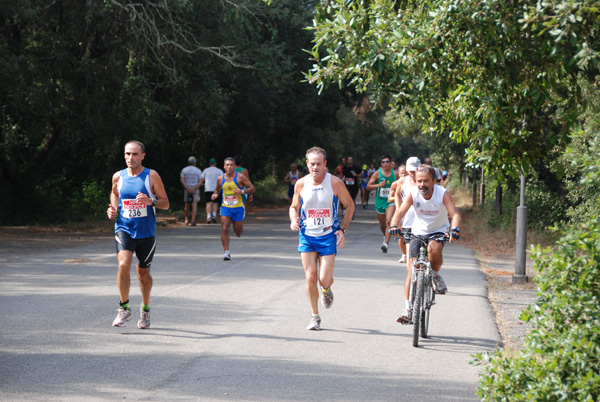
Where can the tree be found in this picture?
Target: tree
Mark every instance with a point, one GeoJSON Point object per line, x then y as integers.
{"type": "Point", "coordinates": [498, 76]}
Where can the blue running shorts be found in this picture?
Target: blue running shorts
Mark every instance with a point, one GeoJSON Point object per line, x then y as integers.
{"type": "Point", "coordinates": [236, 214]}
{"type": "Point", "coordinates": [323, 245]}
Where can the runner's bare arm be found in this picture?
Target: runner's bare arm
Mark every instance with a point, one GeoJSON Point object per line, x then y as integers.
{"type": "Point", "coordinates": [371, 184]}
{"type": "Point", "coordinates": [296, 205]}
{"type": "Point", "coordinates": [158, 188]}
{"type": "Point", "coordinates": [340, 191]}
{"type": "Point", "coordinates": [401, 208]}
{"type": "Point", "coordinates": [113, 207]}
{"type": "Point", "coordinates": [215, 193]}
{"type": "Point", "coordinates": [452, 211]}
{"type": "Point", "coordinates": [244, 182]}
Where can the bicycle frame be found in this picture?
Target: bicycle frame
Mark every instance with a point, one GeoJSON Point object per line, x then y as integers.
{"type": "Point", "coordinates": [422, 296]}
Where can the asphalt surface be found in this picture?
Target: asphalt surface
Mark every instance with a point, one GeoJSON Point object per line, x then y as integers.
{"type": "Point", "coordinates": [235, 330]}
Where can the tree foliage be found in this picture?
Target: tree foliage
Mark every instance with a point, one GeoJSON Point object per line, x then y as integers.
{"type": "Point", "coordinates": [205, 78]}
{"type": "Point", "coordinates": [498, 76]}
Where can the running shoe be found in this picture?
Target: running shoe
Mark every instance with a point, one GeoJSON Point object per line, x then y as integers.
{"type": "Point", "coordinates": [315, 323]}
{"type": "Point", "coordinates": [144, 321]}
{"type": "Point", "coordinates": [384, 248]}
{"type": "Point", "coordinates": [123, 316]}
{"type": "Point", "coordinates": [327, 297]}
{"type": "Point", "coordinates": [402, 259]}
{"type": "Point", "coordinates": [440, 286]}
{"type": "Point", "coordinates": [406, 317]}
{"type": "Point", "coordinates": [226, 256]}
{"type": "Point", "coordinates": [214, 220]}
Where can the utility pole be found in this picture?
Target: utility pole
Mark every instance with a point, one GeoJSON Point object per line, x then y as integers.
{"type": "Point", "coordinates": [520, 275]}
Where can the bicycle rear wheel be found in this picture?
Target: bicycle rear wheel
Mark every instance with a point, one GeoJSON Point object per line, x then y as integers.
{"type": "Point", "coordinates": [417, 309]}
{"type": "Point", "coordinates": [428, 296]}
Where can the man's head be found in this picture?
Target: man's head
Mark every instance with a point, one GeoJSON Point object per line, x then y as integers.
{"type": "Point", "coordinates": [343, 160]}
{"type": "Point", "coordinates": [425, 180]}
{"type": "Point", "coordinates": [229, 165]}
{"type": "Point", "coordinates": [212, 161]}
{"type": "Point", "coordinates": [428, 161]}
{"type": "Point", "coordinates": [134, 154]}
{"type": "Point", "coordinates": [191, 161]}
{"type": "Point", "coordinates": [394, 165]}
{"type": "Point", "coordinates": [316, 162]}
{"type": "Point", "coordinates": [350, 160]}
{"type": "Point", "coordinates": [293, 167]}
{"type": "Point", "coordinates": [386, 162]}
{"type": "Point", "coordinates": [402, 171]}
{"type": "Point", "coordinates": [238, 160]}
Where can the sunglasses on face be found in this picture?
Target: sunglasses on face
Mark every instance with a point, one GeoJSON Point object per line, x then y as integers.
{"type": "Point", "coordinates": [382, 162]}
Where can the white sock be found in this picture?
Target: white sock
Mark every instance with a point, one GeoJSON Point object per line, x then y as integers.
{"type": "Point", "coordinates": [407, 304]}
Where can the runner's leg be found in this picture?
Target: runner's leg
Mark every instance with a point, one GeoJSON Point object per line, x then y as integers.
{"type": "Point", "coordinates": [124, 259]}
{"type": "Point", "coordinates": [309, 262]}
{"type": "Point", "coordinates": [145, 283]}
{"type": "Point", "coordinates": [225, 223]}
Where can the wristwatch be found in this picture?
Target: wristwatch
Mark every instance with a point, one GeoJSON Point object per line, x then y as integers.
{"type": "Point", "coordinates": [154, 202]}
{"type": "Point", "coordinates": [343, 230]}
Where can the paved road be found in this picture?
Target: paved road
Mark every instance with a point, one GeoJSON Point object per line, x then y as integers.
{"type": "Point", "coordinates": [235, 330]}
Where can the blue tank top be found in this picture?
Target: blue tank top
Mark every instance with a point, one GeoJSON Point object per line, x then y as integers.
{"type": "Point", "coordinates": [138, 220]}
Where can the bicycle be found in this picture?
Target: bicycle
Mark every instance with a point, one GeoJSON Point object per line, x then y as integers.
{"type": "Point", "coordinates": [422, 295]}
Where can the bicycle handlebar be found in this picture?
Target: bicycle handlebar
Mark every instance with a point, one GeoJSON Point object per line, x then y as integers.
{"type": "Point", "coordinates": [436, 236]}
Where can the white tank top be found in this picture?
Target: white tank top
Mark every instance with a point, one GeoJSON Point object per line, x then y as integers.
{"type": "Point", "coordinates": [318, 216]}
{"type": "Point", "coordinates": [408, 219]}
{"type": "Point", "coordinates": [430, 215]}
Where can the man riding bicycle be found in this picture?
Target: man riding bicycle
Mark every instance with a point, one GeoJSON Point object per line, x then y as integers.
{"type": "Point", "coordinates": [432, 205]}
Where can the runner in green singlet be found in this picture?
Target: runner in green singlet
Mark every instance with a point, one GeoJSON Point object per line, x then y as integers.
{"type": "Point", "coordinates": [381, 181]}
{"type": "Point", "coordinates": [238, 168]}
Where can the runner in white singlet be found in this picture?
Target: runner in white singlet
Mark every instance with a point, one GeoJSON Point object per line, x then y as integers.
{"type": "Point", "coordinates": [314, 215]}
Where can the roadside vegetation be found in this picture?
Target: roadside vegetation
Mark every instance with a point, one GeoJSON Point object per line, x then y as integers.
{"type": "Point", "coordinates": [490, 90]}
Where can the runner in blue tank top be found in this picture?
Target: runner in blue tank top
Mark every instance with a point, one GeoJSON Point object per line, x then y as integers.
{"type": "Point", "coordinates": [136, 193]}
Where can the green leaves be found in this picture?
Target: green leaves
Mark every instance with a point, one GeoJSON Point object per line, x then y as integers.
{"type": "Point", "coordinates": [514, 57]}
{"type": "Point", "coordinates": [560, 359]}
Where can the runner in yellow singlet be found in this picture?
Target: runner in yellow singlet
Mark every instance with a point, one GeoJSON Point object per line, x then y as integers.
{"type": "Point", "coordinates": [232, 184]}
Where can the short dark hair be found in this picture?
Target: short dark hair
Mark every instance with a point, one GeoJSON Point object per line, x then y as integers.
{"type": "Point", "coordinates": [317, 150]}
{"type": "Point", "coordinates": [386, 156]}
{"type": "Point", "coordinates": [137, 143]}
{"type": "Point", "coordinates": [427, 169]}
{"type": "Point", "coordinates": [238, 159]}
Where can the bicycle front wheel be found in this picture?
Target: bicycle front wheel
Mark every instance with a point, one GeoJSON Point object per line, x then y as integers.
{"type": "Point", "coordinates": [428, 296]}
{"type": "Point", "coordinates": [417, 308]}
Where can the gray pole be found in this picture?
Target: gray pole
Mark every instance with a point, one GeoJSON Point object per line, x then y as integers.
{"type": "Point", "coordinates": [521, 255]}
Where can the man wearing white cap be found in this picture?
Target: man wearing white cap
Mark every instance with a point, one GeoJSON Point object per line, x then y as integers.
{"type": "Point", "coordinates": [404, 185]}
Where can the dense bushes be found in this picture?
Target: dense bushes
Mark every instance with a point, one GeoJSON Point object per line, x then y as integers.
{"type": "Point", "coordinates": [560, 358]}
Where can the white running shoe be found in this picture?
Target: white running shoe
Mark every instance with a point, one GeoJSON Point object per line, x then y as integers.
{"type": "Point", "coordinates": [402, 259]}
{"type": "Point", "coordinates": [144, 321]}
{"type": "Point", "coordinates": [384, 248]}
{"type": "Point", "coordinates": [315, 324]}
{"type": "Point", "coordinates": [123, 316]}
{"type": "Point", "coordinates": [226, 256]}
{"type": "Point", "coordinates": [406, 317]}
{"type": "Point", "coordinates": [327, 297]}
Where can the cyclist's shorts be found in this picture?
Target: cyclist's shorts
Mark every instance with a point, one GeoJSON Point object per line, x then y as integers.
{"type": "Point", "coordinates": [323, 245]}
{"type": "Point", "coordinates": [143, 248]}
{"type": "Point", "coordinates": [415, 245]}
{"type": "Point", "coordinates": [236, 214]}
